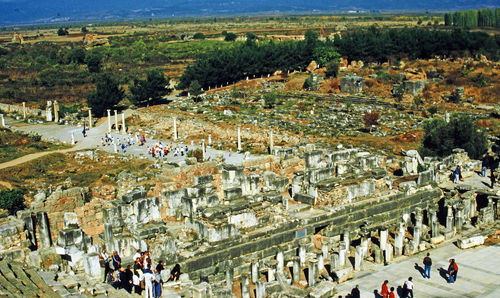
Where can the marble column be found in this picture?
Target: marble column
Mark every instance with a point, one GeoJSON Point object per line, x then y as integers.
{"type": "Point", "coordinates": [342, 254]}
{"type": "Point", "coordinates": [334, 263]}
{"type": "Point", "coordinates": [245, 286]}
{"type": "Point", "coordinates": [239, 139]}
{"type": "Point", "coordinates": [312, 272]}
{"type": "Point", "coordinates": [72, 138]}
{"type": "Point", "coordinates": [296, 269]}
{"type": "Point", "coordinates": [56, 111]}
{"type": "Point", "coordinates": [229, 278]}
{"type": "Point", "coordinates": [43, 230]}
{"type": "Point", "coordinates": [255, 271]}
{"type": "Point", "coordinates": [109, 237]}
{"type": "Point", "coordinates": [388, 252]}
{"type": "Point", "coordinates": [347, 240]}
{"type": "Point", "coordinates": [321, 261]}
{"type": "Point", "coordinates": [3, 120]}
{"type": "Point", "coordinates": [358, 258]}
{"type": "Point", "coordinates": [271, 142]}
{"type": "Point", "coordinates": [281, 260]}
{"type": "Point", "coordinates": [90, 118]}
{"type": "Point", "coordinates": [434, 223]}
{"type": "Point", "coordinates": [383, 238]}
{"type": "Point", "coordinates": [24, 110]}
{"type": "Point", "coordinates": [260, 289]}
{"type": "Point", "coordinates": [302, 253]}
{"type": "Point", "coordinates": [175, 128]}
{"type": "Point", "coordinates": [449, 219]}
{"type": "Point", "coordinates": [116, 120]}
{"type": "Point", "coordinates": [124, 129]}
{"type": "Point", "coordinates": [209, 140]}
{"type": "Point", "coordinates": [109, 120]}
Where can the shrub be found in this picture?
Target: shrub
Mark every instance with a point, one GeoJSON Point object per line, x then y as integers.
{"type": "Point", "coordinates": [12, 200]}
{"type": "Point", "coordinates": [196, 153]}
{"type": "Point", "coordinates": [371, 118]}
{"type": "Point", "coordinates": [440, 138]}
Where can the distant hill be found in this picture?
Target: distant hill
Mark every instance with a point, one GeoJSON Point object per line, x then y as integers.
{"type": "Point", "coordinates": [47, 11]}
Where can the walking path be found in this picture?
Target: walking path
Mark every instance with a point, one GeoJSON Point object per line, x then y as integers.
{"type": "Point", "coordinates": [62, 133]}
{"type": "Point", "coordinates": [478, 274]}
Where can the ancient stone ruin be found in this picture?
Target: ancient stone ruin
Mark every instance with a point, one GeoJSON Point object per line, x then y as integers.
{"type": "Point", "coordinates": [293, 223]}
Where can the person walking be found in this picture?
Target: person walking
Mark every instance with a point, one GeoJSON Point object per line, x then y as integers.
{"type": "Point", "coordinates": [385, 290]}
{"type": "Point", "coordinates": [408, 288]}
{"type": "Point", "coordinates": [452, 271]}
{"type": "Point", "coordinates": [391, 293]}
{"type": "Point", "coordinates": [355, 292]}
{"type": "Point", "coordinates": [427, 265]}
{"type": "Point", "coordinates": [456, 175]}
{"type": "Point", "coordinates": [148, 278]}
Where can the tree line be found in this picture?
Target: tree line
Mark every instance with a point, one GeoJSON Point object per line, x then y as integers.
{"type": "Point", "coordinates": [374, 44]}
{"type": "Point", "coordinates": [485, 17]}
{"type": "Point", "coordinates": [253, 58]}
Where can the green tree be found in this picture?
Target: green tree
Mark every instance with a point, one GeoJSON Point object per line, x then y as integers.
{"type": "Point", "coordinates": [199, 35]}
{"type": "Point", "coordinates": [440, 138]}
{"type": "Point", "coordinates": [324, 54]}
{"type": "Point", "coordinates": [332, 68]}
{"type": "Point", "coordinates": [195, 88]}
{"type": "Point", "coordinates": [151, 89]}
{"type": "Point", "coordinates": [107, 94]}
{"type": "Point", "coordinates": [76, 55]}
{"type": "Point", "coordinates": [93, 61]}
{"type": "Point", "coordinates": [84, 30]}
{"type": "Point", "coordinates": [12, 200]}
{"type": "Point", "coordinates": [230, 37]}
{"type": "Point", "coordinates": [271, 99]}
{"type": "Point", "coordinates": [448, 19]}
{"type": "Point", "coordinates": [62, 31]}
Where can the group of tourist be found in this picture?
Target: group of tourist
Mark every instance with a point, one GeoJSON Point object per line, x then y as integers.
{"type": "Point", "coordinates": [138, 277]}
{"type": "Point", "coordinates": [161, 151]}
{"type": "Point", "coordinates": [407, 288]}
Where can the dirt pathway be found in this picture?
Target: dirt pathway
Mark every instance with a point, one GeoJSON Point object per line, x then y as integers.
{"type": "Point", "coordinates": [33, 156]}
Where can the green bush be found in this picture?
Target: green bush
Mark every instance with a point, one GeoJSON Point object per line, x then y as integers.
{"type": "Point", "coordinates": [440, 138]}
{"type": "Point", "coordinates": [196, 153]}
{"type": "Point", "coordinates": [12, 200]}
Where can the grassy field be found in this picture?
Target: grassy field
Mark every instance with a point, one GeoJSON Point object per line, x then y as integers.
{"type": "Point", "coordinates": [16, 144]}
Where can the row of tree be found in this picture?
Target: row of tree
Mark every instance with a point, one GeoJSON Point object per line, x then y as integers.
{"type": "Point", "coordinates": [109, 93]}
{"type": "Point", "coordinates": [252, 58]}
{"type": "Point", "coordinates": [374, 44]}
{"type": "Point", "coordinates": [485, 17]}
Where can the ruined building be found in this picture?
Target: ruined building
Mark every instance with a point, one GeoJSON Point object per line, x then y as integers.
{"type": "Point", "coordinates": [293, 223]}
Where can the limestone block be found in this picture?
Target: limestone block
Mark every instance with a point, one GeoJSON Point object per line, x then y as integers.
{"type": "Point", "coordinates": [469, 242]}
{"type": "Point", "coordinates": [343, 274]}
{"type": "Point", "coordinates": [353, 84]}
{"type": "Point", "coordinates": [70, 220]}
{"type": "Point", "coordinates": [305, 199]}
{"type": "Point", "coordinates": [91, 265]}
{"type": "Point", "coordinates": [135, 194]}
{"type": "Point", "coordinates": [323, 290]}
{"type": "Point", "coordinates": [408, 187]}
{"type": "Point", "coordinates": [438, 239]}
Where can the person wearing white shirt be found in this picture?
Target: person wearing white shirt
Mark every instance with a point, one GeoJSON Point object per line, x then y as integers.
{"type": "Point", "coordinates": [148, 284]}
{"type": "Point", "coordinates": [409, 288]}
{"type": "Point", "coordinates": [137, 254]}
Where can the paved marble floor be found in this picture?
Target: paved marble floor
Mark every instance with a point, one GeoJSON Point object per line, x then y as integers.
{"type": "Point", "coordinates": [478, 274]}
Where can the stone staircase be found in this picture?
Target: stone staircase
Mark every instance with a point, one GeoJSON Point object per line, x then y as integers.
{"type": "Point", "coordinates": [17, 280]}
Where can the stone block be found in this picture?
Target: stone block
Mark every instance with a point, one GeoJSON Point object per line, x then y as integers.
{"type": "Point", "coordinates": [343, 274]}
{"type": "Point", "coordinates": [469, 242]}
{"type": "Point", "coordinates": [352, 85]}
{"type": "Point", "coordinates": [323, 290]}
{"type": "Point", "coordinates": [305, 199]}
{"type": "Point", "coordinates": [135, 194]}
{"type": "Point", "coordinates": [438, 239]}
{"type": "Point", "coordinates": [203, 180]}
